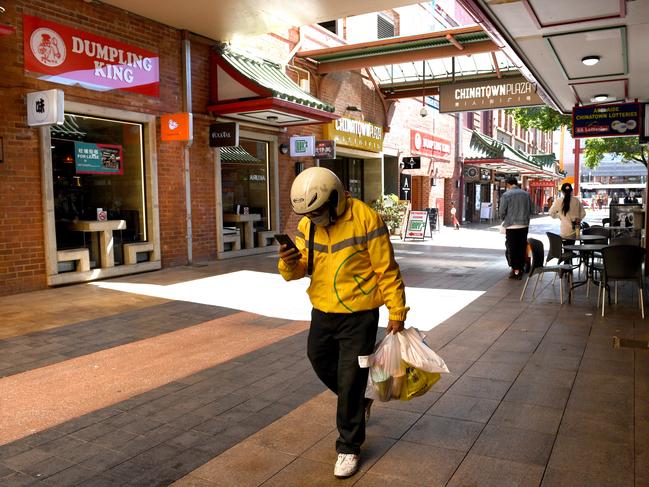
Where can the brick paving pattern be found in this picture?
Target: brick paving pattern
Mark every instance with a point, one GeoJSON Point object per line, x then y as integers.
{"type": "Point", "coordinates": [537, 395]}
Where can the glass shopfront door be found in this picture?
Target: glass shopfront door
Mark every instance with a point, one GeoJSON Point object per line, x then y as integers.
{"type": "Point", "coordinates": [351, 173]}
{"type": "Point", "coordinates": [245, 181]}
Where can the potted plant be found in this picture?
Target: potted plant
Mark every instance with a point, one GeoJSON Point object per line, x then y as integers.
{"type": "Point", "coordinates": [391, 211]}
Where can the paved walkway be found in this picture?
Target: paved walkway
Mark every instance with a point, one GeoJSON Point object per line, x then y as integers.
{"type": "Point", "coordinates": [197, 376]}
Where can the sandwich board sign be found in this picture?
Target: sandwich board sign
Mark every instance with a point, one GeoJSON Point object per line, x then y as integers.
{"type": "Point", "coordinates": [417, 222]}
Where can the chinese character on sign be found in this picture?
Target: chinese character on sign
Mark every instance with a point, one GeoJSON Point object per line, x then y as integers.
{"type": "Point", "coordinates": [40, 105]}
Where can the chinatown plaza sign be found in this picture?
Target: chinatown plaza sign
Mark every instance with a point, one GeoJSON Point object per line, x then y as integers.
{"type": "Point", "coordinates": [355, 133]}
{"type": "Point", "coordinates": [488, 94]}
{"type": "Point", "coordinates": [68, 56]}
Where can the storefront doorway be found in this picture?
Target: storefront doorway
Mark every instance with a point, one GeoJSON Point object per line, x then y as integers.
{"type": "Point", "coordinates": [351, 172]}
{"type": "Point", "coordinates": [245, 183]}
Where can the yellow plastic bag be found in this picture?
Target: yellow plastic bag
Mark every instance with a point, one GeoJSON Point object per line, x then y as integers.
{"type": "Point", "coordinates": [417, 383]}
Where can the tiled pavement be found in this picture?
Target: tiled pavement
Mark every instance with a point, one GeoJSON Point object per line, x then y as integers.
{"type": "Point", "coordinates": [537, 395]}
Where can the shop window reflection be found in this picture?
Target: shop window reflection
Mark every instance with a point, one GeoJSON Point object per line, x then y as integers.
{"type": "Point", "coordinates": [98, 163]}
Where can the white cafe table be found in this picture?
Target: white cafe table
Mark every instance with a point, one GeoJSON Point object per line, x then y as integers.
{"type": "Point", "coordinates": [247, 222]}
{"type": "Point", "coordinates": [102, 234]}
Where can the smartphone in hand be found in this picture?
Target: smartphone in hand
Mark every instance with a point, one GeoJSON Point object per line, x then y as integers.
{"type": "Point", "coordinates": [284, 239]}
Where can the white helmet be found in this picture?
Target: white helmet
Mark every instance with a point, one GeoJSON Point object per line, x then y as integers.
{"type": "Point", "coordinates": [318, 188]}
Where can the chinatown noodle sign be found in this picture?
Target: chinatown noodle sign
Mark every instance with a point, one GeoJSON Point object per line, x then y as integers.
{"type": "Point", "coordinates": [488, 94]}
{"type": "Point", "coordinates": [429, 145]}
{"type": "Point", "coordinates": [68, 56]}
{"type": "Point", "coordinates": [355, 133]}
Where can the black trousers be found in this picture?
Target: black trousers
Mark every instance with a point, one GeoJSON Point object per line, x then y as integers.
{"type": "Point", "coordinates": [335, 342]}
{"type": "Point", "coordinates": [516, 243]}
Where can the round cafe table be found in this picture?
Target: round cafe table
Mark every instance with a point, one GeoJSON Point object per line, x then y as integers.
{"type": "Point", "coordinates": [586, 251]}
{"type": "Point", "coordinates": [591, 238]}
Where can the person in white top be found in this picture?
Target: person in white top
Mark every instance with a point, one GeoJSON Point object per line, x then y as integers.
{"type": "Point", "coordinates": [569, 210]}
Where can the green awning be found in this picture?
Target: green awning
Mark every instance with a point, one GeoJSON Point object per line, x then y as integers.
{"type": "Point", "coordinates": [271, 76]}
{"type": "Point", "coordinates": [484, 147]}
{"type": "Point", "coordinates": [237, 154]}
{"type": "Point", "coordinates": [489, 152]}
{"type": "Point", "coordinates": [547, 160]}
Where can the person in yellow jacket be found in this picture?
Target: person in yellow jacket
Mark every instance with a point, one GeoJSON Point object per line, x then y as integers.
{"type": "Point", "coordinates": [344, 246]}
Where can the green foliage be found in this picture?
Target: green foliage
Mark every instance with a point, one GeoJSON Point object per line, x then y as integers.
{"type": "Point", "coordinates": [543, 118]}
{"type": "Point", "coordinates": [627, 147]}
{"type": "Point", "coordinates": [390, 210]}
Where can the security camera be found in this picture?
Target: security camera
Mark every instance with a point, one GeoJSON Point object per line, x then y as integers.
{"type": "Point", "coordinates": [423, 112]}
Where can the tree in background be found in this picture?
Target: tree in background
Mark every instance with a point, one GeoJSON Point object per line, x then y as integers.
{"type": "Point", "coordinates": [546, 119]}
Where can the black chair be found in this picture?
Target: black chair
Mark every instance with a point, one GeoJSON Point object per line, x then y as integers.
{"type": "Point", "coordinates": [540, 269]}
{"type": "Point", "coordinates": [606, 221]}
{"type": "Point", "coordinates": [622, 263]}
{"type": "Point", "coordinates": [556, 250]}
{"type": "Point", "coordinates": [584, 225]}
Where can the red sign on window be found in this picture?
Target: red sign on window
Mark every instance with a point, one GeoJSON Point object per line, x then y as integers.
{"type": "Point", "coordinates": [68, 56]}
{"type": "Point", "coordinates": [429, 145]}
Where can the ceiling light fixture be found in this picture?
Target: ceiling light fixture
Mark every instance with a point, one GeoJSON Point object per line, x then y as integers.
{"type": "Point", "coordinates": [590, 60]}
{"type": "Point", "coordinates": [599, 98]}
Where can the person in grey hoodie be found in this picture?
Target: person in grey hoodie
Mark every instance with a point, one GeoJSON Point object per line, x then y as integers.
{"type": "Point", "coordinates": [515, 210]}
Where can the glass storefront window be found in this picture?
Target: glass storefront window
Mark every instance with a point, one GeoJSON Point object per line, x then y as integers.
{"type": "Point", "coordinates": [245, 181]}
{"type": "Point", "coordinates": [98, 163]}
{"type": "Point", "coordinates": [350, 171]}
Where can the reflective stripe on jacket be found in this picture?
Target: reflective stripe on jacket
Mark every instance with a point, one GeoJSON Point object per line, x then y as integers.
{"type": "Point", "coordinates": [353, 266]}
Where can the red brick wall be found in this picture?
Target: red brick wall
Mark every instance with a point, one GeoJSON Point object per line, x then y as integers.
{"type": "Point", "coordinates": [22, 261]}
{"type": "Point", "coordinates": [340, 90]}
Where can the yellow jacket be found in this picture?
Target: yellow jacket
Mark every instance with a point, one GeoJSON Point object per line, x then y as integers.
{"type": "Point", "coordinates": [353, 266]}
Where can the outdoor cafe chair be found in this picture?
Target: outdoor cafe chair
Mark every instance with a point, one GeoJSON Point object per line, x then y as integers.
{"type": "Point", "coordinates": [606, 221]}
{"type": "Point", "coordinates": [539, 269]}
{"type": "Point", "coordinates": [622, 263]}
{"type": "Point", "coordinates": [556, 251]}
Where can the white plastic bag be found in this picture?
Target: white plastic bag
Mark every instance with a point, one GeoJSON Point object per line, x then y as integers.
{"type": "Point", "coordinates": [387, 370]}
{"type": "Point", "coordinates": [418, 354]}
{"type": "Point", "coordinates": [402, 367]}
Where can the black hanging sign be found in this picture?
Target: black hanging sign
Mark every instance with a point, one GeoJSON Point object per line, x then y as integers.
{"type": "Point", "coordinates": [406, 185]}
{"type": "Point", "coordinates": [224, 134]}
{"type": "Point", "coordinates": [411, 162]}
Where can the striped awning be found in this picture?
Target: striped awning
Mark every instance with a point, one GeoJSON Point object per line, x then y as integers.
{"type": "Point", "coordinates": [253, 89]}
{"type": "Point", "coordinates": [237, 154]}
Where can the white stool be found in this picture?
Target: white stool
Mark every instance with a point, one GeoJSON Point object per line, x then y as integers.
{"type": "Point", "coordinates": [132, 249]}
{"type": "Point", "coordinates": [81, 256]}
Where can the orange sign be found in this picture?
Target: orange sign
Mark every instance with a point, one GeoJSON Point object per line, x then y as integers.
{"type": "Point", "coordinates": [177, 126]}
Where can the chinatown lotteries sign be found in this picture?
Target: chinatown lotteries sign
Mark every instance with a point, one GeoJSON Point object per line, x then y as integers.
{"type": "Point", "coordinates": [429, 145]}
{"type": "Point", "coordinates": [356, 134]}
{"type": "Point", "coordinates": [606, 120]}
{"type": "Point", "coordinates": [68, 56]}
{"type": "Point", "coordinates": [508, 92]}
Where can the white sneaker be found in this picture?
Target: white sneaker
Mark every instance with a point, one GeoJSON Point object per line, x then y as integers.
{"type": "Point", "coordinates": [346, 466]}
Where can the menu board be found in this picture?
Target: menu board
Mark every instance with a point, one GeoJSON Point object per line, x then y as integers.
{"type": "Point", "coordinates": [416, 227]}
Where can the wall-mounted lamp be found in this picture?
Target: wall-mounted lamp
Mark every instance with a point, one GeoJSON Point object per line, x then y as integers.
{"type": "Point", "coordinates": [283, 148]}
